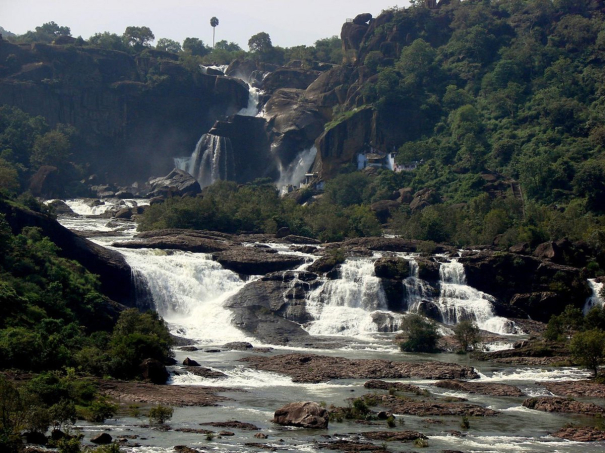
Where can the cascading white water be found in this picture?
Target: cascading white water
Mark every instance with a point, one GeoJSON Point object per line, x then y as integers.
{"type": "Point", "coordinates": [458, 301]}
{"type": "Point", "coordinates": [345, 306]}
{"type": "Point", "coordinates": [189, 291]}
{"type": "Point", "coordinates": [417, 290]}
{"type": "Point", "coordinates": [252, 109]}
{"type": "Point", "coordinates": [211, 161]}
{"type": "Point", "coordinates": [295, 173]}
{"type": "Point", "coordinates": [595, 300]}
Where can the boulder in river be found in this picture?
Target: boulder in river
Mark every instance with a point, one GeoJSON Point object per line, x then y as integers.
{"type": "Point", "coordinates": [256, 261]}
{"type": "Point", "coordinates": [102, 439]}
{"type": "Point", "coordinates": [176, 184]}
{"type": "Point", "coordinates": [562, 405]}
{"type": "Point", "coordinates": [303, 414]}
{"type": "Point", "coordinates": [154, 371]}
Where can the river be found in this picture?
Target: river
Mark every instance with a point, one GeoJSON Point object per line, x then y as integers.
{"type": "Point", "coordinates": [189, 291]}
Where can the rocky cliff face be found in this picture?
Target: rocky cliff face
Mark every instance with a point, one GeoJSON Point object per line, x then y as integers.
{"type": "Point", "coordinates": [135, 113]}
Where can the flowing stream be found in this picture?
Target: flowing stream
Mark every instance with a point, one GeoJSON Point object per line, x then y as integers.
{"type": "Point", "coordinates": [189, 290]}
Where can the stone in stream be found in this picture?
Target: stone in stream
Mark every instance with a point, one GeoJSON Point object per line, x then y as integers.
{"type": "Point", "coordinates": [154, 371]}
{"type": "Point", "coordinates": [303, 414]}
{"type": "Point", "coordinates": [102, 439]}
{"type": "Point", "coordinates": [581, 434]}
{"type": "Point", "coordinates": [190, 362]}
{"type": "Point", "coordinates": [234, 424]}
{"type": "Point", "coordinates": [480, 388]}
{"type": "Point", "coordinates": [562, 405]}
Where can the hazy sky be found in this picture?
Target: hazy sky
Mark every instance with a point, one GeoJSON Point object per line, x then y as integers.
{"type": "Point", "coordinates": [288, 22]}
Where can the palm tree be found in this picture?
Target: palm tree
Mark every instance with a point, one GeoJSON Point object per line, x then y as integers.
{"type": "Point", "coordinates": [214, 23]}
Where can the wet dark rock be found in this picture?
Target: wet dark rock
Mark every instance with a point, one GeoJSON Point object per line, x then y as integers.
{"type": "Point", "coordinates": [190, 362]}
{"type": "Point", "coordinates": [238, 346]}
{"type": "Point", "coordinates": [350, 446]}
{"type": "Point", "coordinates": [234, 424]}
{"type": "Point", "coordinates": [576, 389]}
{"type": "Point", "coordinates": [260, 436]}
{"type": "Point", "coordinates": [255, 261]}
{"type": "Point", "coordinates": [311, 368]}
{"type": "Point", "coordinates": [35, 437]}
{"type": "Point", "coordinates": [176, 184]}
{"type": "Point", "coordinates": [57, 434]}
{"type": "Point", "coordinates": [61, 208]}
{"type": "Point", "coordinates": [581, 434]}
{"type": "Point", "coordinates": [434, 408]}
{"type": "Point", "coordinates": [154, 371]}
{"type": "Point", "coordinates": [289, 78]}
{"type": "Point", "coordinates": [102, 439]}
{"type": "Point", "coordinates": [205, 372]}
{"type": "Point", "coordinates": [123, 213]}
{"type": "Point", "coordinates": [561, 405]}
{"type": "Point", "coordinates": [399, 386]}
{"type": "Point", "coordinates": [184, 449]}
{"type": "Point", "coordinates": [226, 433]}
{"type": "Point", "coordinates": [394, 436]}
{"type": "Point", "coordinates": [194, 431]}
{"type": "Point", "coordinates": [189, 348]}
{"type": "Point", "coordinates": [171, 395]}
{"type": "Point", "coordinates": [392, 268]}
{"type": "Point", "coordinates": [260, 446]}
{"type": "Point", "coordinates": [303, 414]}
{"type": "Point", "coordinates": [185, 240]}
{"type": "Point", "coordinates": [480, 388]}
{"type": "Point", "coordinates": [293, 239]}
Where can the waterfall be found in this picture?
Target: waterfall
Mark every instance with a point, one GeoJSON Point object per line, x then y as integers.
{"type": "Point", "coordinates": [595, 300]}
{"type": "Point", "coordinates": [458, 301]}
{"type": "Point", "coordinates": [346, 306]}
{"type": "Point", "coordinates": [252, 109]}
{"type": "Point", "coordinates": [188, 290]}
{"type": "Point", "coordinates": [295, 173]}
{"type": "Point", "coordinates": [211, 161]}
{"type": "Point", "coordinates": [417, 290]}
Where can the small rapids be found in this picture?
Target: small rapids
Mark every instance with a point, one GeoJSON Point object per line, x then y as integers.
{"type": "Point", "coordinates": [595, 300]}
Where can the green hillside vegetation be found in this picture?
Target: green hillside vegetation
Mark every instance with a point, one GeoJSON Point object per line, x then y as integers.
{"type": "Point", "coordinates": [52, 315]}
{"type": "Point", "coordinates": [511, 89]}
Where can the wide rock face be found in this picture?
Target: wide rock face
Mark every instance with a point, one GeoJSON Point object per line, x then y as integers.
{"type": "Point", "coordinates": [256, 260]}
{"type": "Point", "coordinates": [136, 113]}
{"type": "Point", "coordinates": [302, 414]}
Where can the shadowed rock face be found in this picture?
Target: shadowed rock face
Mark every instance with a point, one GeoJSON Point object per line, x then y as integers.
{"type": "Point", "coordinates": [133, 125]}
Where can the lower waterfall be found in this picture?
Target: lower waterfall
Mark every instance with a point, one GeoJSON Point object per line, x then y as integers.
{"type": "Point", "coordinates": [458, 301]}
{"type": "Point", "coordinates": [295, 173]}
{"type": "Point", "coordinates": [348, 305]}
{"type": "Point", "coordinates": [211, 161]}
{"type": "Point", "coordinates": [188, 291]}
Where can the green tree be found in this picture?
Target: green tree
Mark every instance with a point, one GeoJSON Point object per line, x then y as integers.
{"type": "Point", "coordinates": [195, 46]}
{"type": "Point", "coordinates": [107, 40]}
{"type": "Point", "coordinates": [213, 24]}
{"type": "Point", "coordinates": [228, 46]}
{"type": "Point", "coordinates": [467, 335]}
{"type": "Point", "coordinates": [52, 29]}
{"type": "Point", "coordinates": [52, 148]}
{"type": "Point", "coordinates": [588, 349]}
{"type": "Point", "coordinates": [422, 334]}
{"type": "Point", "coordinates": [160, 414]}
{"type": "Point", "coordinates": [138, 37]}
{"type": "Point", "coordinates": [260, 42]}
{"type": "Point", "coordinates": [168, 45]}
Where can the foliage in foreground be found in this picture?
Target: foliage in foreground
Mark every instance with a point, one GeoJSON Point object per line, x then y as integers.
{"type": "Point", "coordinates": [422, 335]}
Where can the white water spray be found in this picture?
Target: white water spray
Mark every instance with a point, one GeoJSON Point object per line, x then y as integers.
{"type": "Point", "coordinates": [346, 306]}
{"type": "Point", "coordinates": [595, 300]}
{"type": "Point", "coordinates": [295, 173]}
{"type": "Point", "coordinates": [458, 301]}
{"type": "Point", "coordinates": [189, 291]}
{"type": "Point", "coordinates": [211, 161]}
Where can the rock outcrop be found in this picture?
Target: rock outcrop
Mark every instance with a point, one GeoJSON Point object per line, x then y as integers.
{"type": "Point", "coordinates": [480, 388]}
{"type": "Point", "coordinates": [302, 414]}
{"type": "Point", "coordinates": [256, 261]}
{"type": "Point", "coordinates": [177, 183]}
{"type": "Point", "coordinates": [136, 113]}
{"type": "Point", "coordinates": [311, 368]}
{"type": "Point", "coordinates": [562, 405]}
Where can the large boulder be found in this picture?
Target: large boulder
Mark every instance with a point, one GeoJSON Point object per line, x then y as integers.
{"type": "Point", "coordinates": [289, 78]}
{"type": "Point", "coordinates": [102, 439]}
{"type": "Point", "coordinates": [302, 414]}
{"type": "Point", "coordinates": [176, 184]}
{"type": "Point", "coordinates": [154, 371]}
{"type": "Point", "coordinates": [256, 261]}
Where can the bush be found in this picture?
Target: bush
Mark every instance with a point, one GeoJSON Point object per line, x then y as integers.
{"type": "Point", "coordinates": [468, 335]}
{"type": "Point", "coordinates": [422, 335]}
{"type": "Point", "coordinates": [160, 414]}
{"type": "Point", "coordinates": [102, 409]}
{"type": "Point", "coordinates": [588, 349]}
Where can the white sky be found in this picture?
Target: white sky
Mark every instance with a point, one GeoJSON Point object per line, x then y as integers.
{"type": "Point", "coordinates": [289, 22]}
